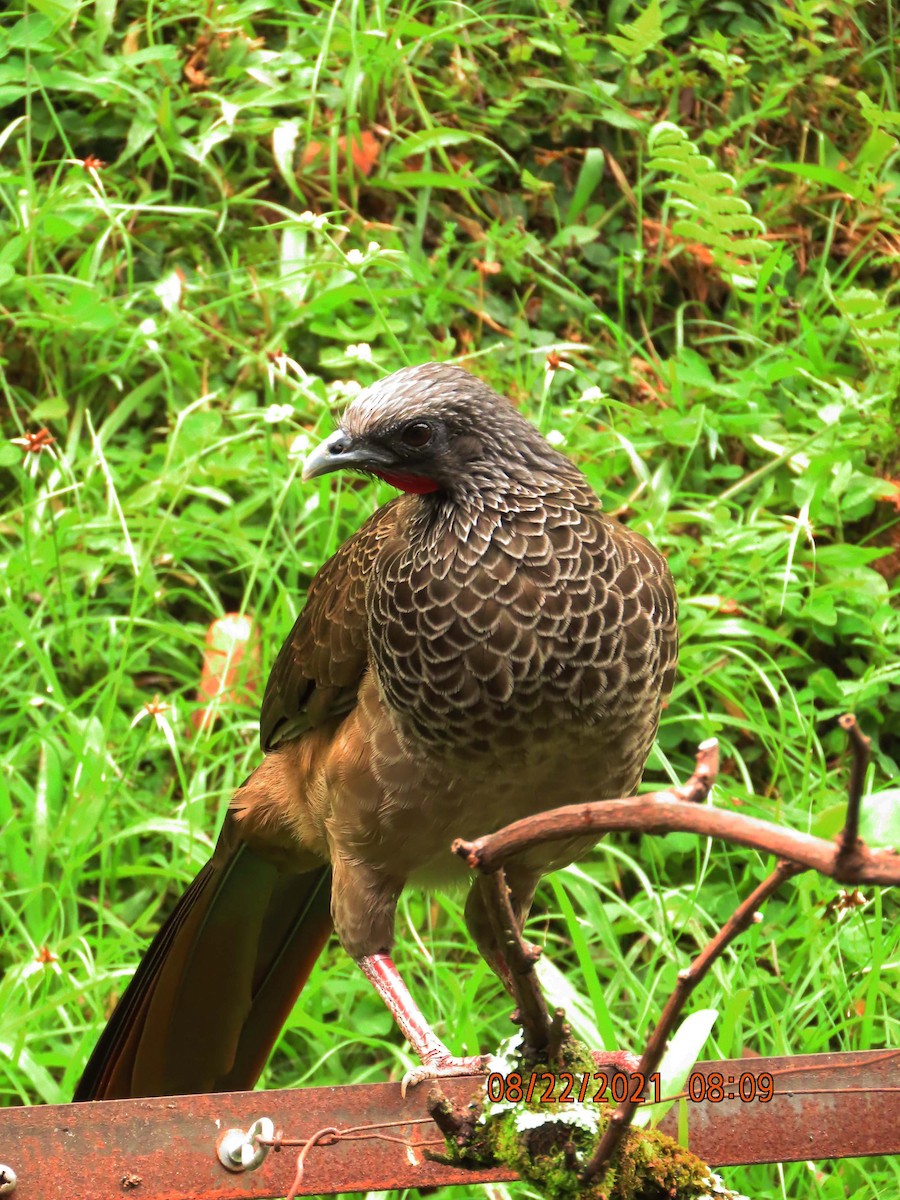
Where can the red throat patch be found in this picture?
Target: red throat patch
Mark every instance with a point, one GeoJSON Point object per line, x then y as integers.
{"type": "Point", "coordinates": [417, 484]}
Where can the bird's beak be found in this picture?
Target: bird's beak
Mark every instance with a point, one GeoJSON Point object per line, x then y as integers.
{"type": "Point", "coordinates": [340, 451]}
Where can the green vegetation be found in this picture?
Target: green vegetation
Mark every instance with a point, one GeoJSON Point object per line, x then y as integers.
{"type": "Point", "coordinates": [671, 233]}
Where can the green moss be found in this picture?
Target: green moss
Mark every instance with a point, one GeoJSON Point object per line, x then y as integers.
{"type": "Point", "coordinates": [653, 1166]}
{"type": "Point", "coordinates": [550, 1156]}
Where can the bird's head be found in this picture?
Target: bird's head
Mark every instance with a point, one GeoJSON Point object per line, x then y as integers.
{"type": "Point", "coordinates": [432, 428]}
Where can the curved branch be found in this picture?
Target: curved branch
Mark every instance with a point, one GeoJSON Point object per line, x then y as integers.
{"type": "Point", "coordinates": [663, 812]}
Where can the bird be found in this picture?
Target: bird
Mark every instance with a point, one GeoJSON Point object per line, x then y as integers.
{"type": "Point", "coordinates": [487, 645]}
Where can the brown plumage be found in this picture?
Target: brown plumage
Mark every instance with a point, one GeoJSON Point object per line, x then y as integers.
{"type": "Point", "coordinates": [486, 646]}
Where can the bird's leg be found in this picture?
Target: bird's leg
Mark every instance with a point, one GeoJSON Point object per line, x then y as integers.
{"type": "Point", "coordinates": [437, 1061]}
{"type": "Point", "coordinates": [521, 893]}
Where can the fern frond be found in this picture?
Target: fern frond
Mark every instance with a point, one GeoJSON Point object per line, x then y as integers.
{"type": "Point", "coordinates": [710, 214]}
{"type": "Point", "coordinates": [634, 40]}
{"type": "Point", "coordinates": [875, 326]}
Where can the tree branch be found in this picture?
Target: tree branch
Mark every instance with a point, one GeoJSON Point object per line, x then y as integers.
{"type": "Point", "coordinates": [669, 811]}
{"type": "Point", "coordinates": [534, 1015]}
{"type": "Point", "coordinates": [847, 860]}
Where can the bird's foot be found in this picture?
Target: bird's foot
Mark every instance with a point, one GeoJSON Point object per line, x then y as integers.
{"type": "Point", "coordinates": [618, 1062]}
{"type": "Point", "coordinates": [441, 1064]}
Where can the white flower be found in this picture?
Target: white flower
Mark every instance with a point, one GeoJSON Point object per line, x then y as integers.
{"type": "Point", "coordinates": [277, 412]}
{"type": "Point", "coordinates": [311, 220]}
{"type": "Point", "coordinates": [556, 437]}
{"type": "Point", "coordinates": [229, 112]}
{"type": "Point", "coordinates": [592, 395]}
{"type": "Point", "coordinates": [372, 248]}
{"type": "Point", "coordinates": [359, 352]}
{"type": "Point", "coordinates": [344, 389]}
{"type": "Point", "coordinates": [148, 327]}
{"type": "Point", "coordinates": [40, 962]}
{"type": "Point", "coordinates": [355, 258]}
{"type": "Point", "coordinates": [168, 290]}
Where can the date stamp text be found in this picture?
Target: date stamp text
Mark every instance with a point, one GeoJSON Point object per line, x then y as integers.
{"type": "Point", "coordinates": [567, 1087]}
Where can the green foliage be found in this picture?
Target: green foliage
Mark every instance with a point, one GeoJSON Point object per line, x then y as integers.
{"type": "Point", "coordinates": [297, 197]}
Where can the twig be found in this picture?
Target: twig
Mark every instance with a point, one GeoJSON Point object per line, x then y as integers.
{"type": "Point", "coordinates": [534, 1015]}
{"type": "Point", "coordinates": [741, 919]}
{"type": "Point", "coordinates": [850, 848]}
{"type": "Point", "coordinates": [706, 768]}
{"type": "Point", "coordinates": [559, 1031]}
{"type": "Point", "coordinates": [656, 813]}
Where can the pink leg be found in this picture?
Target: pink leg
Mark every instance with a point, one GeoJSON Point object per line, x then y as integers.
{"type": "Point", "coordinates": [436, 1059]}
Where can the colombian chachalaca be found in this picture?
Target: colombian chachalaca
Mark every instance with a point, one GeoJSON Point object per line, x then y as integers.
{"type": "Point", "coordinates": [486, 646]}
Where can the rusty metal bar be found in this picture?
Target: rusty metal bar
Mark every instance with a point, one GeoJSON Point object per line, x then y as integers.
{"type": "Point", "coordinates": [824, 1106]}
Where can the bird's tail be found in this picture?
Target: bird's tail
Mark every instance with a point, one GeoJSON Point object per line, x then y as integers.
{"type": "Point", "coordinates": [218, 981]}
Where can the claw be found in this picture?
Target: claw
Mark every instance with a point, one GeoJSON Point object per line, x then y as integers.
{"type": "Point", "coordinates": [444, 1066]}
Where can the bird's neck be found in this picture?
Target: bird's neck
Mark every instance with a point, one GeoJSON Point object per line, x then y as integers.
{"type": "Point", "coordinates": [470, 515]}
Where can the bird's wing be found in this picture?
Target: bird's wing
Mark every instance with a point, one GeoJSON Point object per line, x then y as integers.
{"type": "Point", "coordinates": [317, 672]}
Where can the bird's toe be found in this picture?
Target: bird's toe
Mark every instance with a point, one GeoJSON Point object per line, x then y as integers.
{"type": "Point", "coordinates": [445, 1066]}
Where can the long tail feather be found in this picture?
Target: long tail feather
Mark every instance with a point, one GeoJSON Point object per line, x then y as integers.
{"type": "Point", "coordinates": [212, 992]}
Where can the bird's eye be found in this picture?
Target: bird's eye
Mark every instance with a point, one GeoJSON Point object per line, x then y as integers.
{"type": "Point", "coordinates": [416, 435]}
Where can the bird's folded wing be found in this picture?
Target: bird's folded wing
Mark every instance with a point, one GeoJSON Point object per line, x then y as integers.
{"type": "Point", "coordinates": [317, 672]}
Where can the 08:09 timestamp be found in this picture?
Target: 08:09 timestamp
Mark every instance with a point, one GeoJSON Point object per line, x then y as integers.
{"type": "Point", "coordinates": [565, 1087]}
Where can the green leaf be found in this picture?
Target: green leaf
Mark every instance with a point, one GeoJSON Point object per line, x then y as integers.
{"type": "Point", "coordinates": [401, 181]}
{"type": "Point", "coordinates": [682, 1053]}
{"type": "Point", "coordinates": [830, 821]}
{"type": "Point", "coordinates": [828, 176]}
{"type": "Point", "coordinates": [539, 186]}
{"type": "Point", "coordinates": [875, 325]}
{"type": "Point", "coordinates": [426, 139]}
{"type": "Point", "coordinates": [33, 32]}
{"type": "Point", "coordinates": [882, 118]}
{"type": "Point", "coordinates": [821, 608]}
{"type": "Point", "coordinates": [879, 820]}
{"type": "Point", "coordinates": [575, 235]}
{"type": "Point", "coordinates": [54, 408]}
{"type": "Point", "coordinates": [588, 178]}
